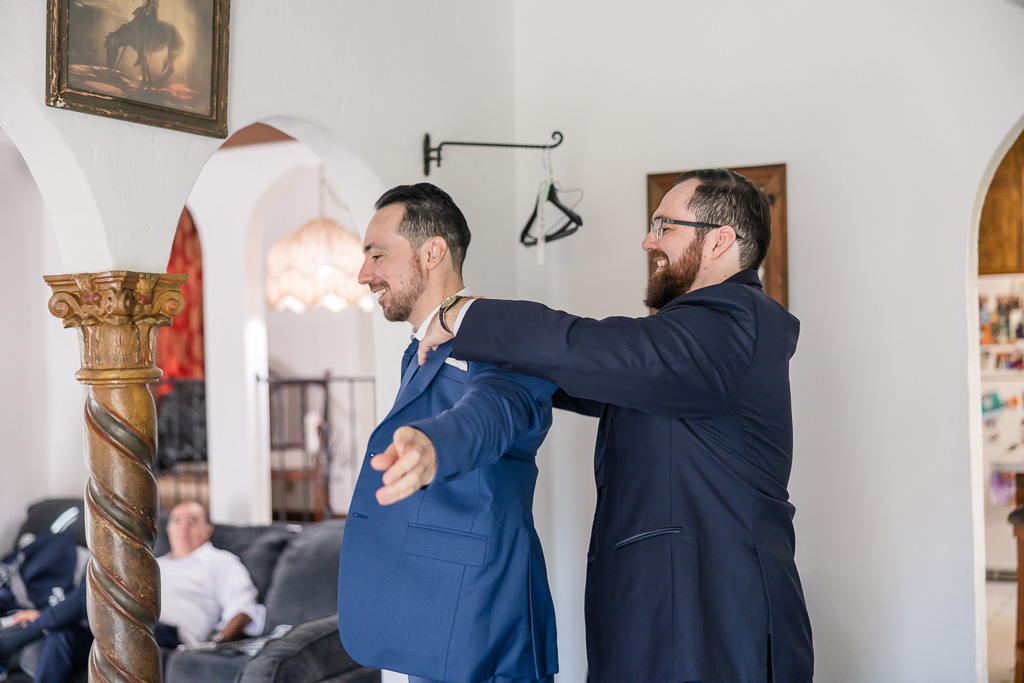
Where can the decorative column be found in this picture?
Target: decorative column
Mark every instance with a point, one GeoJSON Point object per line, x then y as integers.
{"type": "Point", "coordinates": [118, 314]}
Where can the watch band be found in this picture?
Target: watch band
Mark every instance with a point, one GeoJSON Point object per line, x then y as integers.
{"type": "Point", "coordinates": [445, 307]}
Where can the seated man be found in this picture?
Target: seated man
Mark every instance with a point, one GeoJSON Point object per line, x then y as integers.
{"type": "Point", "coordinates": [205, 594]}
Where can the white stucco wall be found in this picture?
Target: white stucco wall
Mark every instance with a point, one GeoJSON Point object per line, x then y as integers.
{"type": "Point", "coordinates": [41, 405]}
{"type": "Point", "coordinates": [887, 115]}
{"type": "Point", "coordinates": [22, 354]}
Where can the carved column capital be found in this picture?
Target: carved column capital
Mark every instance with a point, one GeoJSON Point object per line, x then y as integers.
{"type": "Point", "coordinates": [117, 314]}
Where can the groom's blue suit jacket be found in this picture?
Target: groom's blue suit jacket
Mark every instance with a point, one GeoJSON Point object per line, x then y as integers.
{"type": "Point", "coordinates": [450, 584]}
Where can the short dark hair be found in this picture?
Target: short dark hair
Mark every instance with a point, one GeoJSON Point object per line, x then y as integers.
{"type": "Point", "coordinates": [725, 197]}
{"type": "Point", "coordinates": [430, 212]}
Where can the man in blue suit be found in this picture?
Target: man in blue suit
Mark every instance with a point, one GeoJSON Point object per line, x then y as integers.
{"type": "Point", "coordinates": [449, 584]}
{"type": "Point", "coordinates": [691, 573]}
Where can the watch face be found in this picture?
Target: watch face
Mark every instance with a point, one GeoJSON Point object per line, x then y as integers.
{"type": "Point", "coordinates": [449, 301]}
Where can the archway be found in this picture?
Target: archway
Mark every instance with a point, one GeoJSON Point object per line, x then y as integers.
{"type": "Point", "coordinates": [997, 391]}
{"type": "Point", "coordinates": [180, 393]}
{"type": "Point", "coordinates": [74, 215]}
{"type": "Point", "coordinates": [236, 328]}
{"type": "Point", "coordinates": [40, 411]}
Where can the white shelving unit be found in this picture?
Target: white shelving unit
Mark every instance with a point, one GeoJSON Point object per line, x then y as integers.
{"type": "Point", "coordinates": [1003, 427]}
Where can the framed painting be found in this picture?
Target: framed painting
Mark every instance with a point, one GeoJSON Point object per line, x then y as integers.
{"type": "Point", "coordinates": [156, 62]}
{"type": "Point", "coordinates": [774, 272]}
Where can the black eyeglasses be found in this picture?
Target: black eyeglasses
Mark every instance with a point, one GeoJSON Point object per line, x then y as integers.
{"type": "Point", "coordinates": [658, 226]}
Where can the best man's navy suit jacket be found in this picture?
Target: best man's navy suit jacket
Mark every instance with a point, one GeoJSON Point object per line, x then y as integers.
{"type": "Point", "coordinates": [691, 573]}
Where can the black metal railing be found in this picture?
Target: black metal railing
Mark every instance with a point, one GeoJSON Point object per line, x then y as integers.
{"type": "Point", "coordinates": [316, 423]}
{"type": "Point", "coordinates": [308, 425]}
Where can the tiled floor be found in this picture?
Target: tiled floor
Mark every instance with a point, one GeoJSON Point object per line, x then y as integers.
{"type": "Point", "coordinates": [1002, 625]}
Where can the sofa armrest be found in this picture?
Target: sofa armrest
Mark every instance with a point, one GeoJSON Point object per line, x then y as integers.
{"type": "Point", "coordinates": [311, 651]}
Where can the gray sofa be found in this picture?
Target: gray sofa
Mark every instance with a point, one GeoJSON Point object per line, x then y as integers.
{"type": "Point", "coordinates": [295, 570]}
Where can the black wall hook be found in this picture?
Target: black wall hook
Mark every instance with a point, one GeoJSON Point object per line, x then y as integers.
{"type": "Point", "coordinates": [434, 153]}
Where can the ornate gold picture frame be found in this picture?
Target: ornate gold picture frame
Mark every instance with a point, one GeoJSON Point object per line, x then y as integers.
{"type": "Point", "coordinates": [156, 62]}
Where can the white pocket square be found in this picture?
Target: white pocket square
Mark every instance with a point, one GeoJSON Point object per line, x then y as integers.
{"type": "Point", "coordinates": [460, 364]}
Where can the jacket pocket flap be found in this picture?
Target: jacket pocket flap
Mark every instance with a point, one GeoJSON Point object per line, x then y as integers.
{"type": "Point", "coordinates": [649, 534]}
{"type": "Point", "coordinates": [446, 544]}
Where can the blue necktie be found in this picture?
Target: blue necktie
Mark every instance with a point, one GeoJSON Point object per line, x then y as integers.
{"type": "Point", "coordinates": [410, 353]}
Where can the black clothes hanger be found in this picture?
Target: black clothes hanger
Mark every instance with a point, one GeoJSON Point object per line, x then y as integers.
{"type": "Point", "coordinates": [572, 222]}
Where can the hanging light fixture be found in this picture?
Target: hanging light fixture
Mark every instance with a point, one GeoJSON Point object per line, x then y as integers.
{"type": "Point", "coordinates": [317, 265]}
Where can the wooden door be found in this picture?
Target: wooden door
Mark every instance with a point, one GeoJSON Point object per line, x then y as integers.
{"type": "Point", "coordinates": [772, 179]}
{"type": "Point", "coordinates": [1001, 234]}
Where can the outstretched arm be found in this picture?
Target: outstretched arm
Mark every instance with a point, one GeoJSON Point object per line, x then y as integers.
{"type": "Point", "coordinates": [688, 360]}
{"type": "Point", "coordinates": [436, 335]}
{"type": "Point", "coordinates": [497, 410]}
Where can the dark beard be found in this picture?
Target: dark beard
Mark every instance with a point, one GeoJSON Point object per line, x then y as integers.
{"type": "Point", "coordinates": [677, 279]}
{"type": "Point", "coordinates": [401, 306]}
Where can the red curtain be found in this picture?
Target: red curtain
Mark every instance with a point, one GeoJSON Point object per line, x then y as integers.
{"type": "Point", "coordinates": [179, 348]}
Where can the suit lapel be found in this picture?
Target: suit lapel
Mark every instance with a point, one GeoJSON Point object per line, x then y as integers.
{"type": "Point", "coordinates": [418, 377]}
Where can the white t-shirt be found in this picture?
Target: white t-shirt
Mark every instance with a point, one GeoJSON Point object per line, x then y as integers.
{"type": "Point", "coordinates": [201, 592]}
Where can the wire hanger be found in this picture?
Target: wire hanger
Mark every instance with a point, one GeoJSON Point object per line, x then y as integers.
{"type": "Point", "coordinates": [571, 221]}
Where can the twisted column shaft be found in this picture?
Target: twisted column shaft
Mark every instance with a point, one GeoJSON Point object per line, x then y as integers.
{"type": "Point", "coordinates": [117, 315]}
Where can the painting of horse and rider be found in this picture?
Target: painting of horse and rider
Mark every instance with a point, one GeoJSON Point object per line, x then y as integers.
{"type": "Point", "coordinates": [155, 53]}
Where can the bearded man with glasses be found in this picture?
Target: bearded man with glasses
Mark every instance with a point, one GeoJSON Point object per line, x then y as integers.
{"type": "Point", "coordinates": [691, 573]}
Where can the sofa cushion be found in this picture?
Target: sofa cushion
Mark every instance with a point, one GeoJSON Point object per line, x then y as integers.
{"type": "Point", "coordinates": [305, 582]}
{"type": "Point", "coordinates": [26, 661]}
{"type": "Point", "coordinates": [70, 512]}
{"type": "Point", "coordinates": [260, 558]}
{"type": "Point", "coordinates": [238, 539]}
{"type": "Point", "coordinates": [312, 651]}
{"type": "Point", "coordinates": [208, 667]}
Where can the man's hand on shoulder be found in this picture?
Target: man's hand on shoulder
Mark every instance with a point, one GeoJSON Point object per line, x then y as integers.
{"type": "Point", "coordinates": [436, 334]}
{"type": "Point", "coordinates": [409, 464]}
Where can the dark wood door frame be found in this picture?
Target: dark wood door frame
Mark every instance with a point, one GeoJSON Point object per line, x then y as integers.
{"type": "Point", "coordinates": [772, 179]}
